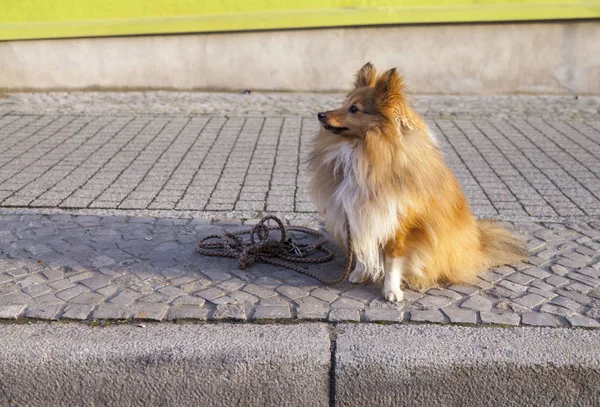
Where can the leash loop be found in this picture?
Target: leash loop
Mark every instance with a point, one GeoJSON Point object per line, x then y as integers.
{"type": "Point", "coordinates": [284, 252]}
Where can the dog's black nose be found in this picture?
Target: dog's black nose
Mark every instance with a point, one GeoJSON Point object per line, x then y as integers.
{"type": "Point", "coordinates": [321, 115]}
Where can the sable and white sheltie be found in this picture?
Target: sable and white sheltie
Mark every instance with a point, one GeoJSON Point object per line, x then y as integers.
{"type": "Point", "coordinates": [376, 161]}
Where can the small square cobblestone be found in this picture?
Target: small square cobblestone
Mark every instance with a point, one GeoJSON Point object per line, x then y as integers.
{"type": "Point", "coordinates": [504, 318]}
{"type": "Point", "coordinates": [270, 312]}
{"type": "Point", "coordinates": [434, 316]}
{"type": "Point", "coordinates": [230, 312]}
{"type": "Point", "coordinates": [343, 315]}
{"type": "Point", "coordinates": [187, 313]}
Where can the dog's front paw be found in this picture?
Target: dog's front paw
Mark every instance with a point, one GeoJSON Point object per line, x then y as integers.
{"type": "Point", "coordinates": [393, 294]}
{"type": "Point", "coordinates": [358, 275]}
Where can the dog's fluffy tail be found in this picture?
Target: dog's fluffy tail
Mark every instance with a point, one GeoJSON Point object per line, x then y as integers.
{"type": "Point", "coordinates": [499, 246]}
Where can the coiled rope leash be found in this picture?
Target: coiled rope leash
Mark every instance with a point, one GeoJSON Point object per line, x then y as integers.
{"type": "Point", "coordinates": [283, 252]}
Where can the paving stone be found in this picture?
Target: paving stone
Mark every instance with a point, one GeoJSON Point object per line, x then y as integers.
{"type": "Point", "coordinates": [53, 275]}
{"type": "Point", "coordinates": [244, 297]}
{"type": "Point", "coordinates": [234, 312]}
{"type": "Point", "coordinates": [520, 278]}
{"type": "Point", "coordinates": [434, 316]}
{"type": "Point", "coordinates": [505, 271]}
{"type": "Point", "coordinates": [323, 294]}
{"type": "Point", "coordinates": [189, 300]}
{"type": "Point", "coordinates": [566, 302]}
{"type": "Point", "coordinates": [515, 287]}
{"type": "Point", "coordinates": [362, 294]}
{"type": "Point", "coordinates": [172, 292]}
{"type": "Point", "coordinates": [546, 294]}
{"type": "Point", "coordinates": [82, 276]}
{"type": "Point", "coordinates": [37, 290]}
{"type": "Point", "coordinates": [490, 276]}
{"type": "Point", "coordinates": [153, 312]}
{"type": "Point", "coordinates": [460, 316]}
{"type": "Point", "coordinates": [276, 300]}
{"type": "Point", "coordinates": [108, 291]}
{"type": "Point", "coordinates": [573, 295]}
{"type": "Point", "coordinates": [268, 281]}
{"type": "Point", "coordinates": [577, 321]}
{"type": "Point", "coordinates": [291, 292]}
{"type": "Point", "coordinates": [593, 313]}
{"type": "Point", "coordinates": [592, 282]}
{"type": "Point", "coordinates": [14, 298]}
{"type": "Point", "coordinates": [443, 292]}
{"type": "Point", "coordinates": [210, 294]}
{"type": "Point", "coordinates": [463, 289]}
{"type": "Point", "coordinates": [312, 312]}
{"type": "Point", "coordinates": [595, 293]}
{"type": "Point", "coordinates": [77, 311]}
{"type": "Point", "coordinates": [556, 281]}
{"type": "Point", "coordinates": [530, 300]}
{"type": "Point", "coordinates": [432, 302]}
{"type": "Point", "coordinates": [71, 293]}
{"type": "Point", "coordinates": [384, 315]}
{"type": "Point", "coordinates": [262, 312]}
{"type": "Point", "coordinates": [343, 315]}
{"type": "Point", "coordinates": [535, 272]}
{"type": "Point", "coordinates": [96, 282]}
{"type": "Point", "coordinates": [559, 270]}
{"type": "Point", "coordinates": [187, 312]}
{"type": "Point", "coordinates": [539, 319]}
{"type": "Point", "coordinates": [541, 285]}
{"type": "Point", "coordinates": [216, 274]}
{"type": "Point", "coordinates": [125, 297]}
{"type": "Point", "coordinates": [579, 287]}
{"type": "Point", "coordinates": [556, 310]}
{"type": "Point", "coordinates": [511, 306]}
{"type": "Point", "coordinates": [477, 303]}
{"type": "Point", "coordinates": [49, 311]}
{"type": "Point", "coordinates": [503, 318]}
{"type": "Point", "coordinates": [154, 298]}
{"type": "Point", "coordinates": [11, 311]}
{"type": "Point", "coordinates": [101, 261]}
{"type": "Point", "coordinates": [347, 303]}
{"type": "Point", "coordinates": [87, 298]}
{"type": "Point", "coordinates": [31, 281]}
{"type": "Point", "coordinates": [258, 291]}
{"type": "Point", "coordinates": [109, 311]}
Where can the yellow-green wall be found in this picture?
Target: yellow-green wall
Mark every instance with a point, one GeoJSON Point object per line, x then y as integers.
{"type": "Point", "coordinates": [27, 19]}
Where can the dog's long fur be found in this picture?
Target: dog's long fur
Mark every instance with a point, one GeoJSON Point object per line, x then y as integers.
{"type": "Point", "coordinates": [376, 161]}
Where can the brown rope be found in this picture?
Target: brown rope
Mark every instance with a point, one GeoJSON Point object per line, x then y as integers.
{"type": "Point", "coordinates": [283, 252]}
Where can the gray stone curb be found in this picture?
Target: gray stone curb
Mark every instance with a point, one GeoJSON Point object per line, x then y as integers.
{"type": "Point", "coordinates": [50, 364]}
{"type": "Point", "coordinates": [166, 364]}
{"type": "Point", "coordinates": [430, 365]}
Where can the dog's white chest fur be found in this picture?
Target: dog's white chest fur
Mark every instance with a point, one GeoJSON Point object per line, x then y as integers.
{"type": "Point", "coordinates": [373, 215]}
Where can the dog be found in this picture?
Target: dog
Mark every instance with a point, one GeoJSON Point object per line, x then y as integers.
{"type": "Point", "coordinates": [376, 162]}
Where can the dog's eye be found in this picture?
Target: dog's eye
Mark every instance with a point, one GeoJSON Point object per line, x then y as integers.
{"type": "Point", "coordinates": [353, 109]}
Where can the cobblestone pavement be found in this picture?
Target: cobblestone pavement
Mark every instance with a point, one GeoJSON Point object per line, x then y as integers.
{"type": "Point", "coordinates": [78, 267]}
{"type": "Point", "coordinates": [97, 192]}
{"type": "Point", "coordinates": [517, 169]}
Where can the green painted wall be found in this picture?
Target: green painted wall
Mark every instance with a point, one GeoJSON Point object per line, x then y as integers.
{"type": "Point", "coordinates": [28, 19]}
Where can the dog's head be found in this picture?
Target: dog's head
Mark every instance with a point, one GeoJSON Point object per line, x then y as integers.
{"type": "Point", "coordinates": [375, 102]}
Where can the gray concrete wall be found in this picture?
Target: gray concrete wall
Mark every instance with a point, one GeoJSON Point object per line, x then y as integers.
{"type": "Point", "coordinates": [554, 58]}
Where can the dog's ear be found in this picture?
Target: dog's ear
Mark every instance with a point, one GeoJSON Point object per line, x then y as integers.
{"type": "Point", "coordinates": [366, 76]}
{"type": "Point", "coordinates": [390, 95]}
{"type": "Point", "coordinates": [389, 84]}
